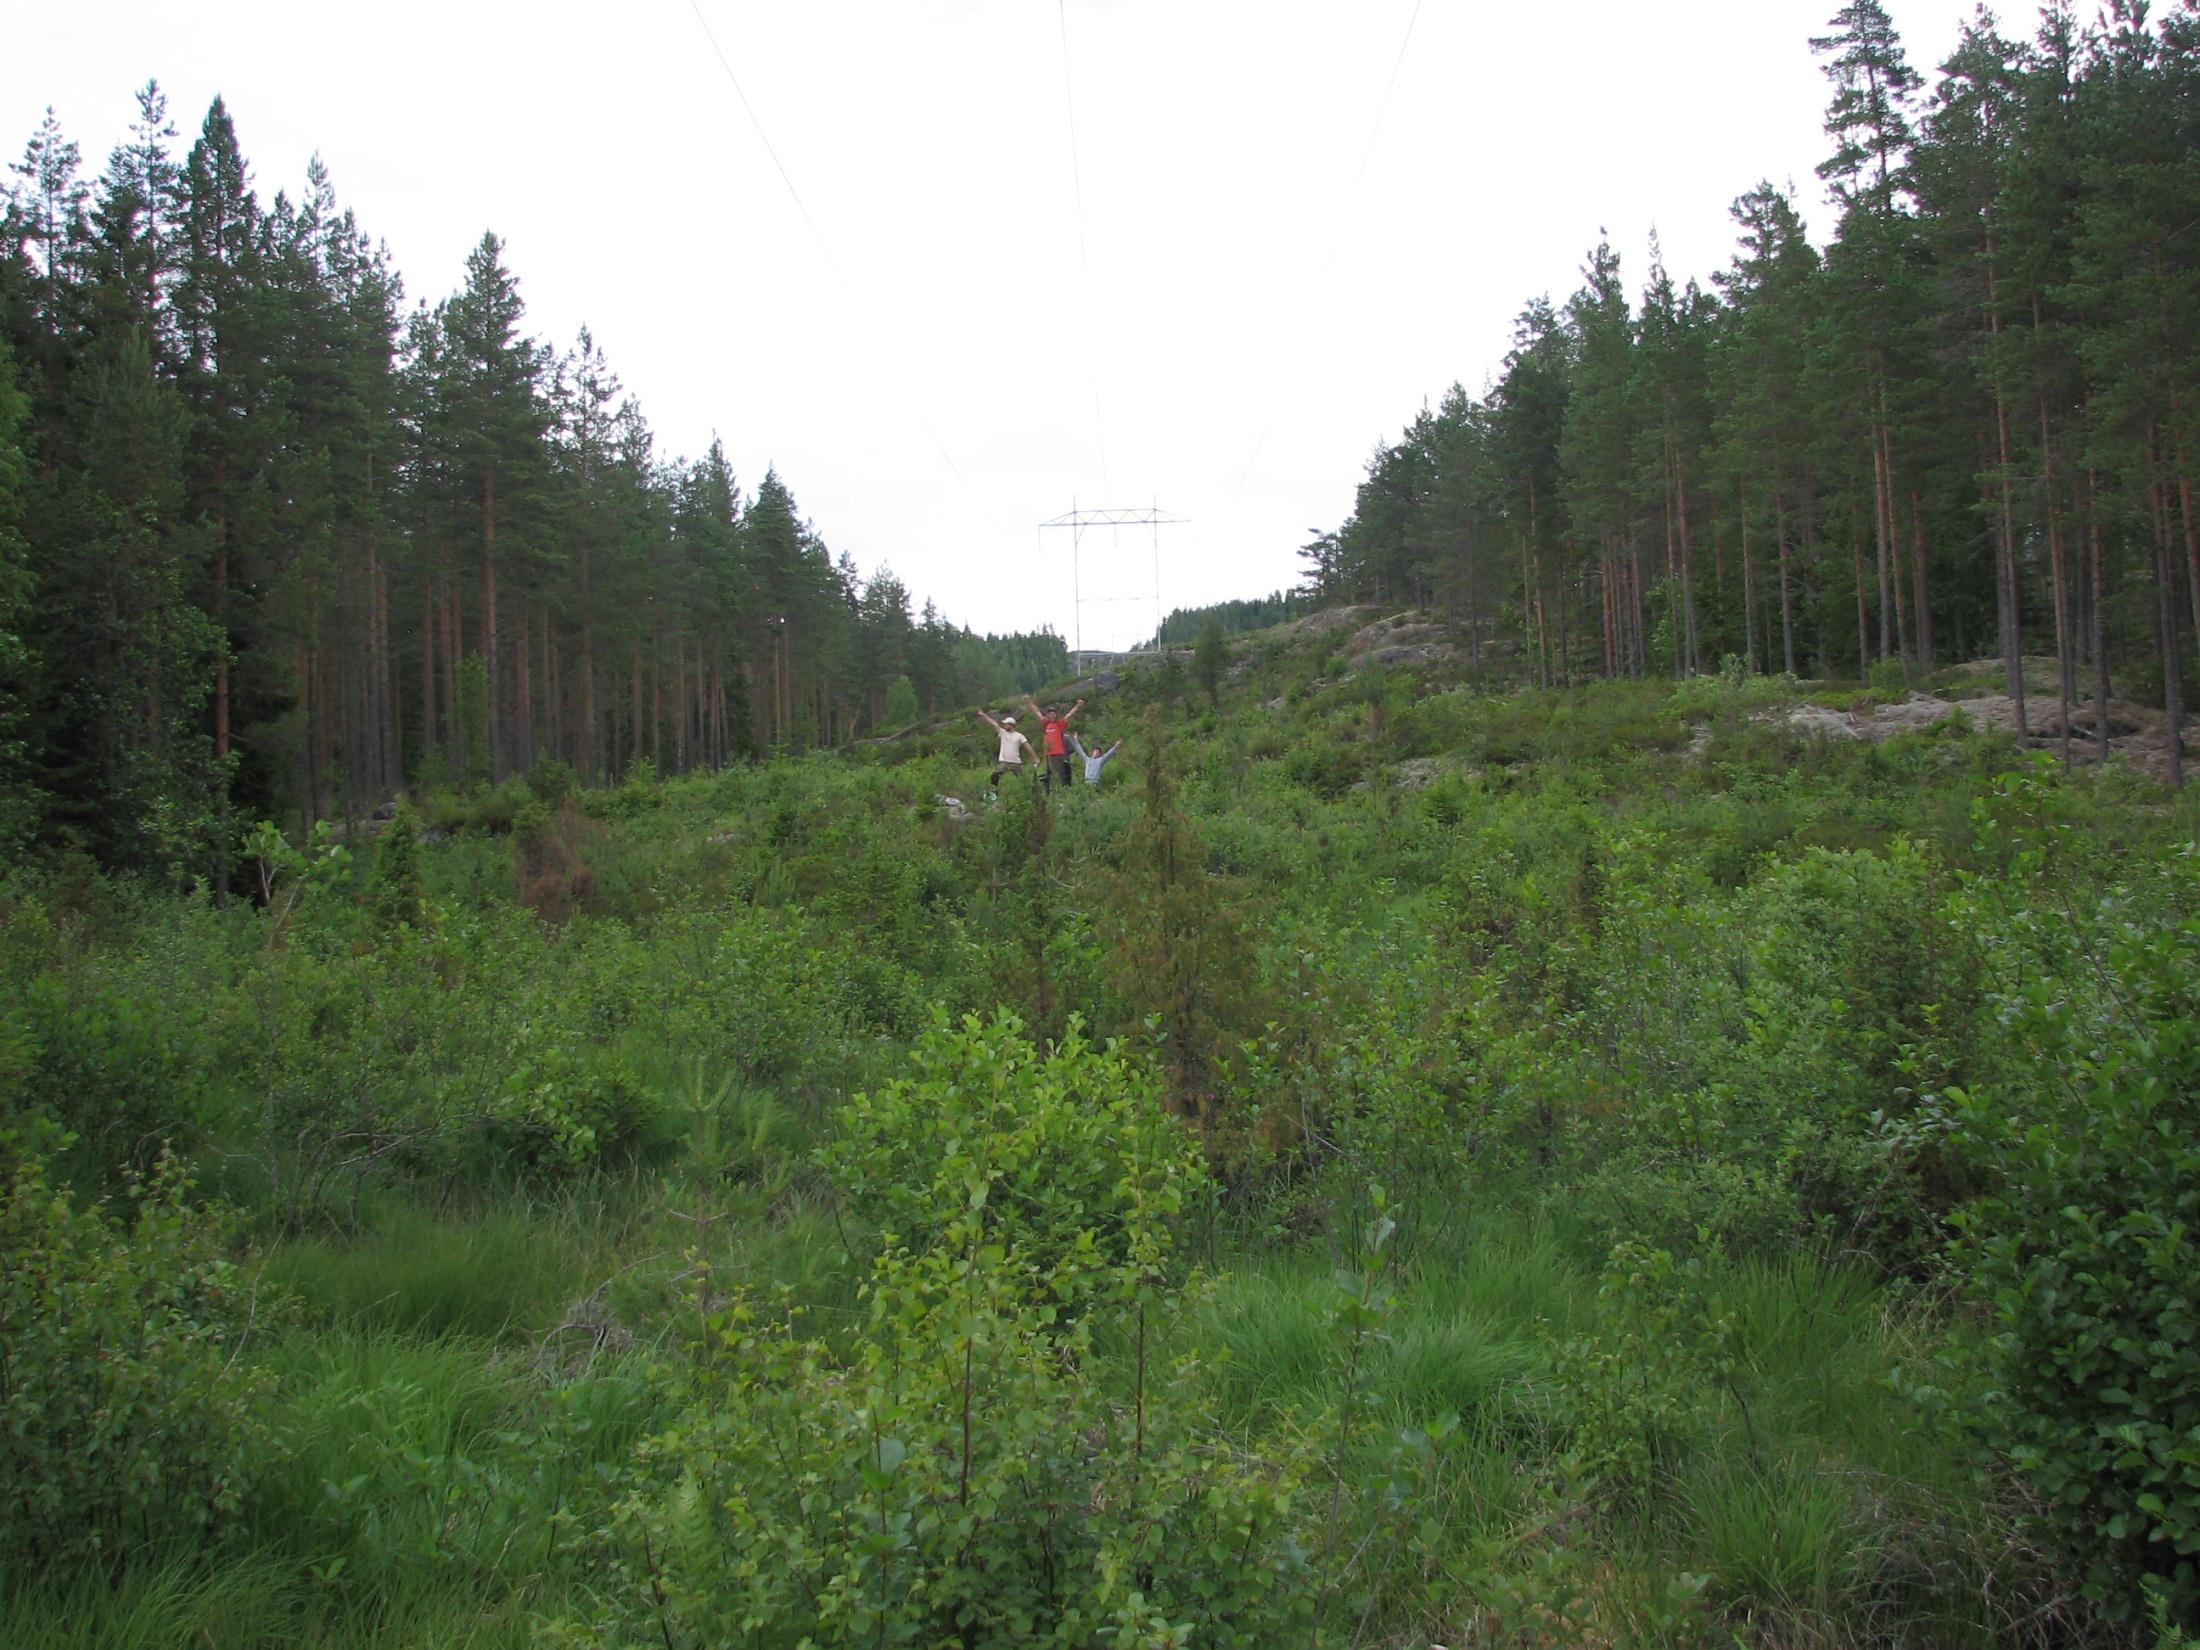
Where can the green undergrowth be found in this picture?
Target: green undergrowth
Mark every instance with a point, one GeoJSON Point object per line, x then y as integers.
{"type": "Point", "coordinates": [1397, 1165]}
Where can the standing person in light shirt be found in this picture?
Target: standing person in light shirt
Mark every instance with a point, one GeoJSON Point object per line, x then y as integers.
{"type": "Point", "coordinates": [1094, 760]}
{"type": "Point", "coordinates": [1054, 727]}
{"type": "Point", "coordinates": [1013, 746]}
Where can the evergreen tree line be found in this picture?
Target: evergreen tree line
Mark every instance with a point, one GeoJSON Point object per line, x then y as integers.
{"type": "Point", "coordinates": [1184, 625]}
{"type": "Point", "coordinates": [273, 545]}
{"type": "Point", "coordinates": [1967, 425]}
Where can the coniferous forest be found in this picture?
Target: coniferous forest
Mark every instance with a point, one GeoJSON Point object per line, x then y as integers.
{"type": "Point", "coordinates": [279, 545]}
{"type": "Point", "coordinates": [1963, 427]}
{"type": "Point", "coordinates": [1620, 1069]}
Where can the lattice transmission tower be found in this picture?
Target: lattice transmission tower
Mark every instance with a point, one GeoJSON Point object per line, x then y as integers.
{"type": "Point", "coordinates": [1079, 522]}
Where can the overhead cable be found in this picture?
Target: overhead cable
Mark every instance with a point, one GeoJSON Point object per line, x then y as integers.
{"type": "Point", "coordinates": [824, 250]}
{"type": "Point", "coordinates": [1344, 217]}
{"type": "Point", "coordinates": [1084, 255]}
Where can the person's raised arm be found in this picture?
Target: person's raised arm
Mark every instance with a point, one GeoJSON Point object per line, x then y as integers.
{"type": "Point", "coordinates": [989, 721]}
{"type": "Point", "coordinates": [1035, 710]}
{"type": "Point", "coordinates": [1111, 750]}
{"type": "Point", "coordinates": [1078, 745]}
{"type": "Point", "coordinates": [1073, 710]}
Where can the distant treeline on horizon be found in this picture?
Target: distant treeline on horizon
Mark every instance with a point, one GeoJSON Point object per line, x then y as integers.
{"type": "Point", "coordinates": [1183, 625]}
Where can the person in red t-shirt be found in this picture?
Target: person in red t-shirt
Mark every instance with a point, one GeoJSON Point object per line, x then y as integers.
{"type": "Point", "coordinates": [1053, 741]}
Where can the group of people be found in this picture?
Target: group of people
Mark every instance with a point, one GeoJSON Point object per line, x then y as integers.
{"type": "Point", "coordinates": [1053, 751]}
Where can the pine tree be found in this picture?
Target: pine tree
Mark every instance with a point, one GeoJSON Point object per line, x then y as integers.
{"type": "Point", "coordinates": [1759, 364]}
{"type": "Point", "coordinates": [1870, 319]}
{"type": "Point", "coordinates": [1210, 659]}
{"type": "Point", "coordinates": [497, 423]}
{"type": "Point", "coordinates": [1177, 955]}
{"type": "Point", "coordinates": [20, 804]}
{"type": "Point", "coordinates": [1528, 422]}
{"type": "Point", "coordinates": [1670, 391]}
{"type": "Point", "coordinates": [1596, 454]}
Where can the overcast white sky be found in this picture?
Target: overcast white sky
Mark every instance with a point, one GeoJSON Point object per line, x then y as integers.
{"type": "Point", "coordinates": [955, 306]}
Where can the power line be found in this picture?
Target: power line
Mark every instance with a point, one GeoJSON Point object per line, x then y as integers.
{"type": "Point", "coordinates": [764, 138]}
{"type": "Point", "coordinates": [825, 251]}
{"type": "Point", "coordinates": [1344, 217]}
{"type": "Point", "coordinates": [1084, 255]}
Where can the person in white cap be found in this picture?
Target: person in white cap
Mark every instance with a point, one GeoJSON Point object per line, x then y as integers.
{"type": "Point", "coordinates": [1013, 746]}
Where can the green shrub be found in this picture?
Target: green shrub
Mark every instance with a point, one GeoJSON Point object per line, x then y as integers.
{"type": "Point", "coordinates": [1644, 1394]}
{"type": "Point", "coordinates": [564, 1105]}
{"type": "Point", "coordinates": [1065, 1154]}
{"type": "Point", "coordinates": [125, 1071]}
{"type": "Point", "coordinates": [963, 1480]}
{"type": "Point", "coordinates": [397, 896]}
{"type": "Point", "coordinates": [2083, 1249]}
{"type": "Point", "coordinates": [1328, 767]}
{"type": "Point", "coordinates": [125, 1421]}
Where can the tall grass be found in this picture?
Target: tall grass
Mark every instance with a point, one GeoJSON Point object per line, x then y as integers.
{"type": "Point", "coordinates": [417, 1499]}
{"type": "Point", "coordinates": [1817, 1506]}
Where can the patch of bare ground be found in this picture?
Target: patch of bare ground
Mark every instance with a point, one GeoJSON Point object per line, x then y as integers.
{"type": "Point", "coordinates": [1328, 622]}
{"type": "Point", "coordinates": [2137, 734]}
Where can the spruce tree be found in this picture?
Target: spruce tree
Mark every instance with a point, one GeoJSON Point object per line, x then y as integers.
{"type": "Point", "coordinates": [497, 422]}
{"type": "Point", "coordinates": [19, 803]}
{"type": "Point", "coordinates": [1596, 456]}
{"type": "Point", "coordinates": [1210, 658]}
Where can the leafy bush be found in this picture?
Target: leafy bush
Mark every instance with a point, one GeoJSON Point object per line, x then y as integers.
{"type": "Point", "coordinates": [125, 1421]}
{"type": "Point", "coordinates": [564, 1106]}
{"type": "Point", "coordinates": [2083, 1249]}
{"type": "Point", "coordinates": [964, 1480]}
{"type": "Point", "coordinates": [1643, 1394]}
{"type": "Point", "coordinates": [1064, 1154]}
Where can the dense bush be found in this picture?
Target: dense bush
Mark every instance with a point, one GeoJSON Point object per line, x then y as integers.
{"type": "Point", "coordinates": [2082, 1244]}
{"type": "Point", "coordinates": [126, 1420]}
{"type": "Point", "coordinates": [967, 1479]}
{"type": "Point", "coordinates": [1063, 1156]}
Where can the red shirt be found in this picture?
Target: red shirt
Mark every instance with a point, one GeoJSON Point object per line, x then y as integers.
{"type": "Point", "coordinates": [1052, 727]}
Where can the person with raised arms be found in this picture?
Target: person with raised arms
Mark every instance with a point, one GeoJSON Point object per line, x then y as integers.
{"type": "Point", "coordinates": [1013, 745]}
{"type": "Point", "coordinates": [1094, 760]}
{"type": "Point", "coordinates": [1054, 726]}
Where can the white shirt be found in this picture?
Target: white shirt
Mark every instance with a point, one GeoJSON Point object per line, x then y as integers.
{"type": "Point", "coordinates": [1013, 745]}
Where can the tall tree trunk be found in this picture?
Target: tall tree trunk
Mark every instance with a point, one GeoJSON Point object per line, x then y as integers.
{"type": "Point", "coordinates": [2098, 618]}
{"type": "Point", "coordinates": [2005, 550]}
{"type": "Point", "coordinates": [1693, 646]}
{"type": "Point", "coordinates": [1863, 606]}
{"type": "Point", "coordinates": [1607, 616]}
{"type": "Point", "coordinates": [2165, 619]}
{"type": "Point", "coordinates": [680, 705]}
{"type": "Point", "coordinates": [323, 715]}
{"type": "Point", "coordinates": [427, 665]}
{"type": "Point", "coordinates": [221, 615]}
{"type": "Point", "coordinates": [2184, 497]}
{"type": "Point", "coordinates": [1881, 485]}
{"type": "Point", "coordinates": [1924, 595]}
{"type": "Point", "coordinates": [1897, 580]}
{"type": "Point", "coordinates": [2058, 575]}
{"type": "Point", "coordinates": [523, 709]}
{"type": "Point", "coordinates": [459, 737]}
{"type": "Point", "coordinates": [1780, 535]}
{"type": "Point", "coordinates": [591, 744]}
{"type": "Point", "coordinates": [489, 623]}
{"type": "Point", "coordinates": [1749, 587]}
